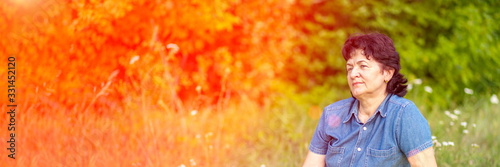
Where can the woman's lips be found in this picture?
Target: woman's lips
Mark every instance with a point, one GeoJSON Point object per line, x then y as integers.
{"type": "Point", "coordinates": [357, 83]}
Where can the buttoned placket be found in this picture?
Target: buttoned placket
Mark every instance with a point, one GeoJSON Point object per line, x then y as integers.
{"type": "Point", "coordinates": [359, 142]}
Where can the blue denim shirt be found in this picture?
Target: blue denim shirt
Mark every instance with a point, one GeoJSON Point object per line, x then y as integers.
{"type": "Point", "coordinates": [396, 131]}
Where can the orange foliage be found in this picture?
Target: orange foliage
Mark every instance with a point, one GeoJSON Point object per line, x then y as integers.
{"type": "Point", "coordinates": [83, 63]}
{"type": "Point", "coordinates": [73, 47]}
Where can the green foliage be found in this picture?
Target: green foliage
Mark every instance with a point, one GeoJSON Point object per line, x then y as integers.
{"type": "Point", "coordinates": [451, 45]}
{"type": "Point", "coordinates": [455, 47]}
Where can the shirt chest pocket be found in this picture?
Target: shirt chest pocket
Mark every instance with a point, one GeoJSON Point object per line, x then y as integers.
{"type": "Point", "coordinates": [382, 153]}
{"type": "Point", "coordinates": [334, 156]}
{"type": "Point", "coordinates": [382, 157]}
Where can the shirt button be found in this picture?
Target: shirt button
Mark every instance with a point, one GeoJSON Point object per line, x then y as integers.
{"type": "Point", "coordinates": [364, 128]}
{"type": "Point", "coordinates": [359, 149]}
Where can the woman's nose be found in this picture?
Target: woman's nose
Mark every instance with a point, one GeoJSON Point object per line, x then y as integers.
{"type": "Point", "coordinates": [354, 73]}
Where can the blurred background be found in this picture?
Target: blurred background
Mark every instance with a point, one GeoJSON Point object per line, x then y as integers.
{"type": "Point", "coordinates": [233, 82]}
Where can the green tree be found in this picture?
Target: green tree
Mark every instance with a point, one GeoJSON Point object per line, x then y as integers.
{"type": "Point", "coordinates": [451, 45]}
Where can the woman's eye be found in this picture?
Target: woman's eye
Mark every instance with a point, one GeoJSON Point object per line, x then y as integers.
{"type": "Point", "coordinates": [364, 66]}
{"type": "Point", "coordinates": [349, 69]}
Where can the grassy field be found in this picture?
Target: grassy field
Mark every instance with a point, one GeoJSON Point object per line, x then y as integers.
{"type": "Point", "coordinates": [240, 134]}
{"type": "Point", "coordinates": [463, 136]}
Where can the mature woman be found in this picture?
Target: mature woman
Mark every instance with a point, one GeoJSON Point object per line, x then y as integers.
{"type": "Point", "coordinates": [377, 126]}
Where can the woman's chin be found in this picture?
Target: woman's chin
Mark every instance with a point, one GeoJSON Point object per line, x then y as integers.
{"type": "Point", "coordinates": [356, 93]}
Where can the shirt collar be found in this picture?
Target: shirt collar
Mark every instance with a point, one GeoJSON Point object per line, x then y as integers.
{"type": "Point", "coordinates": [353, 110]}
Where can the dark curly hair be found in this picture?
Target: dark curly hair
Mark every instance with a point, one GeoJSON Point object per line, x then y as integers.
{"type": "Point", "coordinates": [381, 48]}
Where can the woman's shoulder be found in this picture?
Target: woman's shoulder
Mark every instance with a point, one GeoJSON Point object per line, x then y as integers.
{"type": "Point", "coordinates": [403, 106]}
{"type": "Point", "coordinates": [340, 105]}
{"type": "Point", "coordinates": [395, 99]}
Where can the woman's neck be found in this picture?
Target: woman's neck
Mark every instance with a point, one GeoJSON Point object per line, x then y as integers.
{"type": "Point", "coordinates": [368, 106]}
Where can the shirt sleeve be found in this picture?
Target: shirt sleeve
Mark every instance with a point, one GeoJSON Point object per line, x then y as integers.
{"type": "Point", "coordinates": [414, 134]}
{"type": "Point", "coordinates": [319, 142]}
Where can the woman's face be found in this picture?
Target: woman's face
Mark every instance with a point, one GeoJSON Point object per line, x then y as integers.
{"type": "Point", "coordinates": [365, 76]}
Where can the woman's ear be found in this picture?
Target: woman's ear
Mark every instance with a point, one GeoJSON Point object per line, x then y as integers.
{"type": "Point", "coordinates": [388, 74]}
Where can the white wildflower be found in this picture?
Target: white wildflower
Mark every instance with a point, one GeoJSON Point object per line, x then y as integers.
{"type": "Point", "coordinates": [494, 99]}
{"type": "Point", "coordinates": [464, 124]}
{"type": "Point", "coordinates": [452, 123]}
{"type": "Point", "coordinates": [465, 131]}
{"type": "Point", "coordinates": [474, 145]}
{"type": "Point", "coordinates": [410, 86]}
{"type": "Point", "coordinates": [468, 91]}
{"type": "Point", "coordinates": [452, 116]}
{"type": "Point", "coordinates": [134, 59]}
{"type": "Point", "coordinates": [428, 89]}
{"type": "Point", "coordinates": [193, 163]}
{"type": "Point", "coordinates": [262, 165]}
{"type": "Point", "coordinates": [209, 134]}
{"type": "Point", "coordinates": [182, 165]}
{"type": "Point", "coordinates": [448, 143]}
{"type": "Point", "coordinates": [474, 125]}
{"type": "Point", "coordinates": [418, 81]}
{"type": "Point", "coordinates": [435, 141]}
{"type": "Point", "coordinates": [457, 112]}
{"type": "Point", "coordinates": [198, 88]}
{"type": "Point", "coordinates": [194, 112]}
{"type": "Point", "coordinates": [447, 112]}
{"type": "Point", "coordinates": [173, 48]}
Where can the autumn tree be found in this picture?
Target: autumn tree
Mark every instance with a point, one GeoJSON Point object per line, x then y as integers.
{"type": "Point", "coordinates": [185, 53]}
